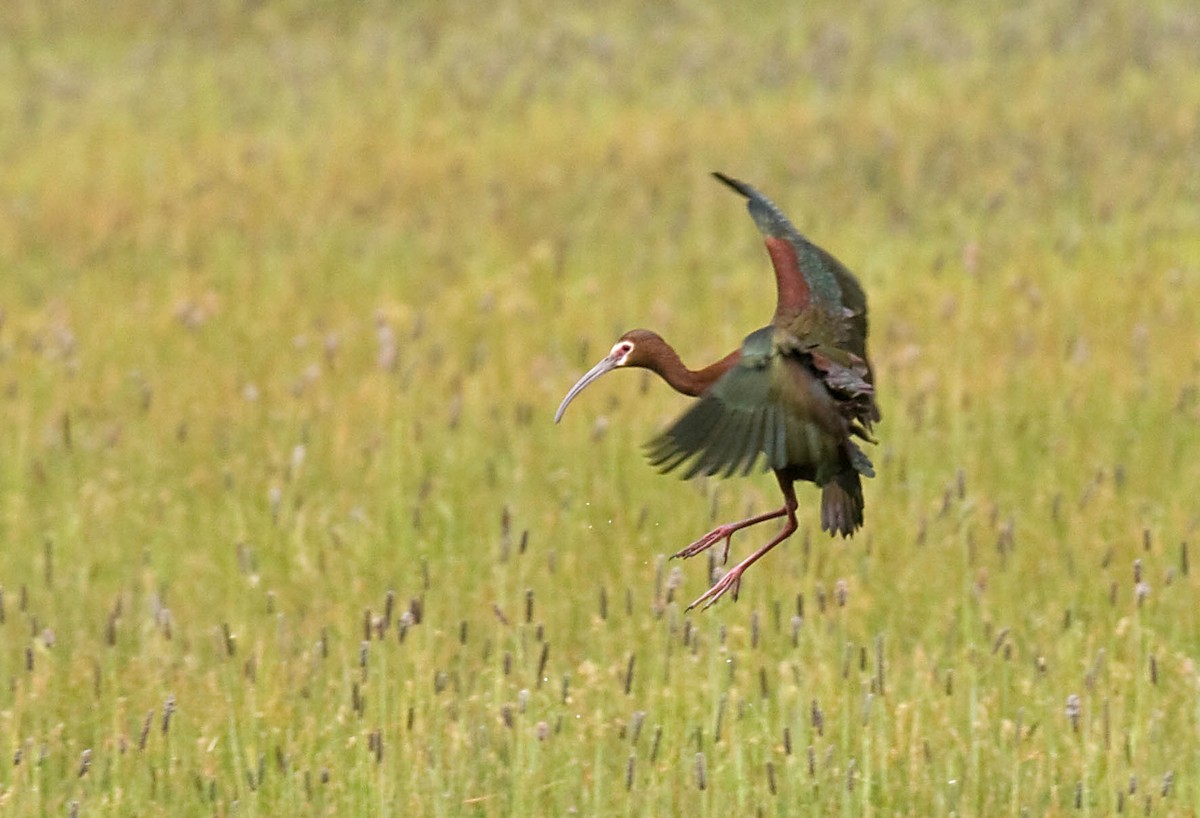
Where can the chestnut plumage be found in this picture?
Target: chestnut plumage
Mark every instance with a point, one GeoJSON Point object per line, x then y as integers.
{"type": "Point", "coordinates": [793, 398]}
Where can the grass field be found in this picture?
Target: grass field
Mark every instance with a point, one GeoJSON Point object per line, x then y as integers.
{"type": "Point", "coordinates": [287, 301]}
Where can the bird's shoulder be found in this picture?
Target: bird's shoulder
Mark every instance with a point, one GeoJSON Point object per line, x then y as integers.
{"type": "Point", "coordinates": [771, 402]}
{"type": "Point", "coordinates": [811, 371]}
{"type": "Point", "coordinates": [774, 369]}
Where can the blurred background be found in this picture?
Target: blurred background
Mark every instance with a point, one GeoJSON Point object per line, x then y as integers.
{"type": "Point", "coordinates": [288, 295]}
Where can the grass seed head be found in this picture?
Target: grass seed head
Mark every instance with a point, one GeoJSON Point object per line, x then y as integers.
{"type": "Point", "coordinates": [1073, 711]}
{"type": "Point", "coordinates": [543, 659]}
{"type": "Point", "coordinates": [635, 725]}
{"type": "Point", "coordinates": [146, 729]}
{"type": "Point", "coordinates": [880, 665]}
{"type": "Point", "coordinates": [168, 711]}
{"type": "Point", "coordinates": [720, 720]}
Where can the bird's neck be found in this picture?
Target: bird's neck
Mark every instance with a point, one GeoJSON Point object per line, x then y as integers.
{"type": "Point", "coordinates": [691, 382]}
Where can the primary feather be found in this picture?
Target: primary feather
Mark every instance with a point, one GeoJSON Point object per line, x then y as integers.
{"type": "Point", "coordinates": [801, 387]}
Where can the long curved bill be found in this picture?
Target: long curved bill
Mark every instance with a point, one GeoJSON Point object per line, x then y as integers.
{"type": "Point", "coordinates": [608, 364]}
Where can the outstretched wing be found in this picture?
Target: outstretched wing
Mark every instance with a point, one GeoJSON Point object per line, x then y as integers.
{"type": "Point", "coordinates": [768, 403]}
{"type": "Point", "coordinates": [726, 428]}
{"type": "Point", "coordinates": [805, 275]}
{"type": "Point", "coordinates": [821, 308]}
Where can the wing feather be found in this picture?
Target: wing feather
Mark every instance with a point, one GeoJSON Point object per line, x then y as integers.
{"type": "Point", "coordinates": [754, 443]}
{"type": "Point", "coordinates": [687, 435]}
{"type": "Point", "coordinates": [709, 456]}
{"type": "Point", "coordinates": [810, 281]}
{"type": "Point", "coordinates": [821, 308]}
{"type": "Point", "coordinates": [781, 452]}
{"type": "Point", "coordinates": [723, 429]}
{"type": "Point", "coordinates": [743, 450]}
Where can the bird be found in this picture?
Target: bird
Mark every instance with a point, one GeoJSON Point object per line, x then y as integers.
{"type": "Point", "coordinates": [795, 397]}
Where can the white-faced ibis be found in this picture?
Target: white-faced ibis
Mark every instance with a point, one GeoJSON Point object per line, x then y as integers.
{"type": "Point", "coordinates": [797, 392]}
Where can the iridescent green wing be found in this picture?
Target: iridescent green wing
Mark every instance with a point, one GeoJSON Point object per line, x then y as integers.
{"type": "Point", "coordinates": [821, 309]}
{"type": "Point", "coordinates": [811, 305]}
{"type": "Point", "coordinates": [759, 407]}
{"type": "Point", "coordinates": [729, 425]}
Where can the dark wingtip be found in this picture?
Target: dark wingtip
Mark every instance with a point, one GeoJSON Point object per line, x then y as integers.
{"type": "Point", "coordinates": [729, 181]}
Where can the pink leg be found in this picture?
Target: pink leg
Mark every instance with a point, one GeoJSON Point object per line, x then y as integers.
{"type": "Point", "coordinates": [725, 532]}
{"type": "Point", "coordinates": [734, 577]}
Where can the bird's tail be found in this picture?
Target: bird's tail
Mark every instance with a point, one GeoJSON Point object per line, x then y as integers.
{"type": "Point", "coordinates": [842, 504]}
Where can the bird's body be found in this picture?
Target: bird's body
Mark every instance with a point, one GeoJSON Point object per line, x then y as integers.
{"type": "Point", "coordinates": [795, 394]}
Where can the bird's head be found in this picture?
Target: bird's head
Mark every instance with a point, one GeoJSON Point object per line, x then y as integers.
{"type": "Point", "coordinates": [636, 348]}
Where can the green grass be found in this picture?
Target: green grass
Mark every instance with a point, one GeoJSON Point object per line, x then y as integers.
{"type": "Point", "coordinates": [289, 299]}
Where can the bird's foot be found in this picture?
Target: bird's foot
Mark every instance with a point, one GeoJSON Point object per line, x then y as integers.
{"type": "Point", "coordinates": [722, 532]}
{"type": "Point", "coordinates": [725, 532]}
{"type": "Point", "coordinates": [732, 580]}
